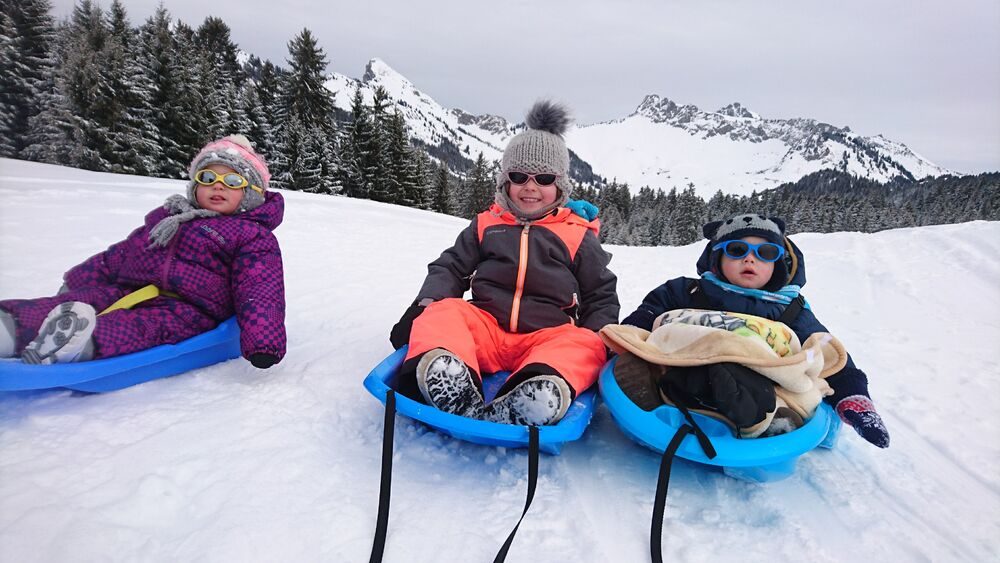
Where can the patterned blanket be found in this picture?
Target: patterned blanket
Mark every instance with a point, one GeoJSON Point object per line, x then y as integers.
{"type": "Point", "coordinates": [693, 337]}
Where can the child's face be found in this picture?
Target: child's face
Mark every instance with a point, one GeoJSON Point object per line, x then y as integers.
{"type": "Point", "coordinates": [749, 271]}
{"type": "Point", "coordinates": [218, 197]}
{"type": "Point", "coordinates": [530, 197]}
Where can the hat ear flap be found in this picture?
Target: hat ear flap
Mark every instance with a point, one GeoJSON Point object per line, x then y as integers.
{"type": "Point", "coordinates": [710, 228]}
{"type": "Point", "coordinates": [779, 222]}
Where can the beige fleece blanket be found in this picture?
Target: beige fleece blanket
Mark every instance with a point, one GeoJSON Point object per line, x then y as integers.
{"type": "Point", "coordinates": [694, 337]}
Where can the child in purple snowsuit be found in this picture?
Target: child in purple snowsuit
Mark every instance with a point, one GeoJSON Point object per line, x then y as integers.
{"type": "Point", "coordinates": [211, 254]}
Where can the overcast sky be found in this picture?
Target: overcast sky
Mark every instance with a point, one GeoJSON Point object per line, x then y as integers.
{"type": "Point", "coordinates": [922, 73]}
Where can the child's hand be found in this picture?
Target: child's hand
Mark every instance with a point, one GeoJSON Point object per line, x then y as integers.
{"type": "Point", "coordinates": [400, 334]}
{"type": "Point", "coordinates": [263, 361]}
{"type": "Point", "coordinates": [583, 208]}
{"type": "Point", "coordinates": [858, 411]}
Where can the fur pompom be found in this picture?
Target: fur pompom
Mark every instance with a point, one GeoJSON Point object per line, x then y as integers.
{"type": "Point", "coordinates": [548, 116]}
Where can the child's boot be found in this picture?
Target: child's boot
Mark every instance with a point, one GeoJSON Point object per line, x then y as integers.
{"type": "Point", "coordinates": [446, 383]}
{"type": "Point", "coordinates": [537, 401]}
{"type": "Point", "coordinates": [65, 336]}
{"type": "Point", "coordinates": [8, 335]}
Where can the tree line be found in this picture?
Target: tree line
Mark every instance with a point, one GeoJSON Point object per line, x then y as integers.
{"type": "Point", "coordinates": [822, 202]}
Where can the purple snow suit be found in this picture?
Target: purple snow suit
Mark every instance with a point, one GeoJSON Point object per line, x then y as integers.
{"type": "Point", "coordinates": [217, 266]}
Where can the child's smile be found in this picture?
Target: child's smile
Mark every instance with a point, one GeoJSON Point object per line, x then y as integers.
{"type": "Point", "coordinates": [530, 197]}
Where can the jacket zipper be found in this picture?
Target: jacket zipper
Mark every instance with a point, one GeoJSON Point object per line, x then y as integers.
{"type": "Point", "coordinates": [170, 256]}
{"type": "Point", "coordinates": [522, 271]}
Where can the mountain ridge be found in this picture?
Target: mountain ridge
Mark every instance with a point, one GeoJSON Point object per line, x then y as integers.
{"type": "Point", "coordinates": [661, 144]}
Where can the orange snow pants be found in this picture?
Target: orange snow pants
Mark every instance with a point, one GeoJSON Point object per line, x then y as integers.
{"type": "Point", "coordinates": [473, 335]}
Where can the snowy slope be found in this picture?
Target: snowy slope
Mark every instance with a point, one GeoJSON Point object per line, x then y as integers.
{"type": "Point", "coordinates": [661, 144]}
{"type": "Point", "coordinates": [229, 463]}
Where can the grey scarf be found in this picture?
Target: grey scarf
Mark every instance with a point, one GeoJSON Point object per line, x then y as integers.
{"type": "Point", "coordinates": [181, 211]}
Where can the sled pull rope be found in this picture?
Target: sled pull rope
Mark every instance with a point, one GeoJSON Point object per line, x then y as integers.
{"type": "Point", "coordinates": [660, 500]}
{"type": "Point", "coordinates": [532, 481]}
{"type": "Point", "coordinates": [663, 480]}
{"type": "Point", "coordinates": [382, 523]}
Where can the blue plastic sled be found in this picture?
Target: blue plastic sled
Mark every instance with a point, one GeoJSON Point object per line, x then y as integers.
{"type": "Point", "coordinates": [758, 460]}
{"type": "Point", "coordinates": [110, 374]}
{"type": "Point", "coordinates": [550, 438]}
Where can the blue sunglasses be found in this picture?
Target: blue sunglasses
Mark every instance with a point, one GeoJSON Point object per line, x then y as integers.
{"type": "Point", "coordinates": [738, 249]}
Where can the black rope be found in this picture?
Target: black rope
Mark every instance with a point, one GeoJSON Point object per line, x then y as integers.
{"type": "Point", "coordinates": [532, 481]}
{"type": "Point", "coordinates": [660, 501]}
{"type": "Point", "coordinates": [666, 462]}
{"type": "Point", "coordinates": [680, 401]}
{"type": "Point", "coordinates": [382, 523]}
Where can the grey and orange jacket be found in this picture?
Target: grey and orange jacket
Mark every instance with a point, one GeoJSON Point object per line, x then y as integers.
{"type": "Point", "coordinates": [529, 276]}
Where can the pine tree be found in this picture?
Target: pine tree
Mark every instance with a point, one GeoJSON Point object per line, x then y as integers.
{"type": "Point", "coordinates": [27, 65]}
{"type": "Point", "coordinates": [265, 118]}
{"type": "Point", "coordinates": [478, 189]}
{"type": "Point", "coordinates": [377, 166]}
{"type": "Point", "coordinates": [8, 100]}
{"type": "Point", "coordinates": [689, 216]}
{"type": "Point", "coordinates": [68, 131]}
{"type": "Point", "coordinates": [220, 78]}
{"type": "Point", "coordinates": [423, 189]}
{"type": "Point", "coordinates": [156, 53]}
{"type": "Point", "coordinates": [306, 120]}
{"type": "Point", "coordinates": [191, 107]}
{"type": "Point", "coordinates": [356, 149]}
{"type": "Point", "coordinates": [132, 134]}
{"type": "Point", "coordinates": [304, 94]}
{"type": "Point", "coordinates": [441, 201]}
{"type": "Point", "coordinates": [404, 186]}
{"type": "Point", "coordinates": [304, 170]}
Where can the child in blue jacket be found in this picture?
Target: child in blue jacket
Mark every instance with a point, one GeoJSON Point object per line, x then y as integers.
{"type": "Point", "coordinates": [749, 266]}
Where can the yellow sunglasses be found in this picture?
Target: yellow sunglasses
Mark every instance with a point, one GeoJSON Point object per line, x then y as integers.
{"type": "Point", "coordinates": [231, 180]}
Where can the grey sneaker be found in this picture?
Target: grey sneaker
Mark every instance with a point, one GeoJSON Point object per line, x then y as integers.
{"type": "Point", "coordinates": [445, 382]}
{"type": "Point", "coordinates": [8, 335]}
{"type": "Point", "coordinates": [538, 401]}
{"type": "Point", "coordinates": [65, 336]}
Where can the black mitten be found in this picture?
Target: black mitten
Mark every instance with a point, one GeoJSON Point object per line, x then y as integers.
{"type": "Point", "coordinates": [400, 334]}
{"type": "Point", "coordinates": [263, 361]}
{"type": "Point", "coordinates": [744, 395]}
{"type": "Point", "coordinates": [734, 391]}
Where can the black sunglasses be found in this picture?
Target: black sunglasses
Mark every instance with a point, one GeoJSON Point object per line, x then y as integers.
{"type": "Point", "coordinates": [540, 179]}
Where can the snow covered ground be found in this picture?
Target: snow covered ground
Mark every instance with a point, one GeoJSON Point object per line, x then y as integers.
{"type": "Point", "coordinates": [229, 463]}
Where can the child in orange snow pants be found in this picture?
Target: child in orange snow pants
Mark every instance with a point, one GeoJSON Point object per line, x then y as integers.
{"type": "Point", "coordinates": [541, 290]}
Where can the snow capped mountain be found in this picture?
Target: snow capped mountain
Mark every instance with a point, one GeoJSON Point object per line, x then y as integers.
{"type": "Point", "coordinates": [429, 122]}
{"type": "Point", "coordinates": [661, 144]}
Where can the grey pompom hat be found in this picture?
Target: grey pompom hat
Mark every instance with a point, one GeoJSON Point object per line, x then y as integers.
{"type": "Point", "coordinates": [540, 149]}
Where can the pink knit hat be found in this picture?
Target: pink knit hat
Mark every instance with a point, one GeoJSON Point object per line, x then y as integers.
{"type": "Point", "coordinates": [236, 152]}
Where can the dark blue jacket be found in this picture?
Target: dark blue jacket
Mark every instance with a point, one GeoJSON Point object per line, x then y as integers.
{"type": "Point", "coordinates": [683, 293]}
